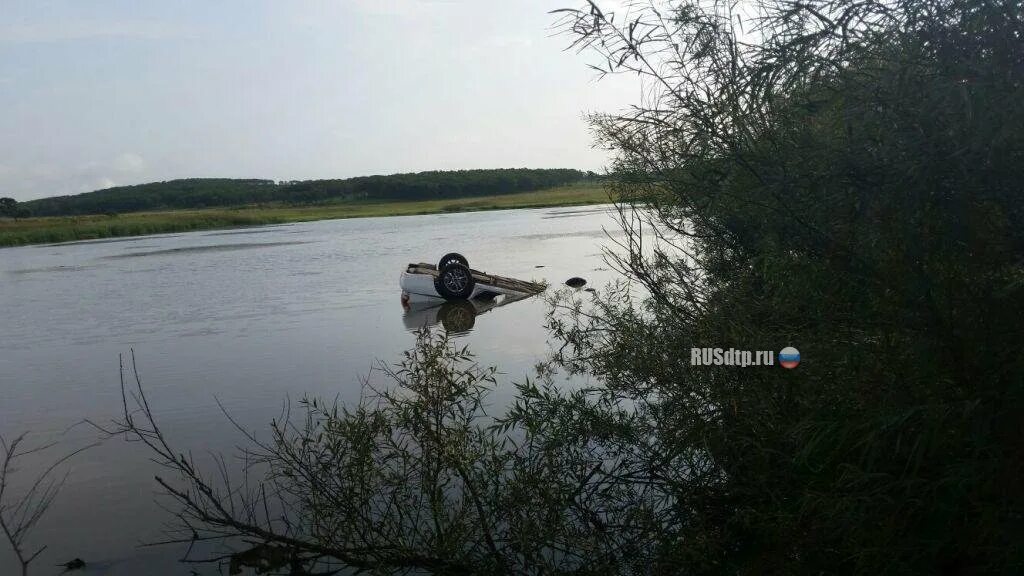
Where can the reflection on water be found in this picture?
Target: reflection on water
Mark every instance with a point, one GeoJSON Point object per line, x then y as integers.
{"type": "Point", "coordinates": [457, 317]}
{"type": "Point", "coordinates": [270, 229]}
{"type": "Point", "coordinates": [110, 240]}
{"type": "Point", "coordinates": [50, 269]}
{"type": "Point", "coordinates": [207, 248]}
{"type": "Point", "coordinates": [573, 213]}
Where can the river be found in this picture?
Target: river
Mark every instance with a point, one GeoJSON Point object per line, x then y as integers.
{"type": "Point", "coordinates": [248, 318]}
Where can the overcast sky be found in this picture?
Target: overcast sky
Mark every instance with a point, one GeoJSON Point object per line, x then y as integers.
{"type": "Point", "coordinates": [102, 93]}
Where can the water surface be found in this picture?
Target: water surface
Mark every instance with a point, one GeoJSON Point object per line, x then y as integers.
{"type": "Point", "coordinates": [246, 317]}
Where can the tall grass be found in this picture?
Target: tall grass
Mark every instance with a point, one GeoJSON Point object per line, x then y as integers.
{"type": "Point", "coordinates": [48, 230]}
{"type": "Point", "coordinates": [66, 229]}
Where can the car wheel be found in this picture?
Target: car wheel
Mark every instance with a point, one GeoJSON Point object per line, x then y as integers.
{"type": "Point", "coordinates": [452, 258]}
{"type": "Point", "coordinates": [454, 282]}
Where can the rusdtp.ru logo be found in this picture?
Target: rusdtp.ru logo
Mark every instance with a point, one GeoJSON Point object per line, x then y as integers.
{"type": "Point", "coordinates": [789, 357]}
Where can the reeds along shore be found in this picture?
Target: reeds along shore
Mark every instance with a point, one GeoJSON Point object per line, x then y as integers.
{"type": "Point", "coordinates": [65, 229]}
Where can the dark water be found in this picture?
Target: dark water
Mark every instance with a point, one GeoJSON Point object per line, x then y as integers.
{"type": "Point", "coordinates": [248, 317]}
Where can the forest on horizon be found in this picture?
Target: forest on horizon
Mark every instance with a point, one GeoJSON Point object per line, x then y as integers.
{"type": "Point", "coordinates": [192, 193]}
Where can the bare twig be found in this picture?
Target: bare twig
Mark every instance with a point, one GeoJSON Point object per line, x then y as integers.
{"type": "Point", "coordinates": [20, 514]}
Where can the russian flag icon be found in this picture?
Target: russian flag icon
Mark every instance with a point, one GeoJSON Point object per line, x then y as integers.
{"type": "Point", "coordinates": [789, 357]}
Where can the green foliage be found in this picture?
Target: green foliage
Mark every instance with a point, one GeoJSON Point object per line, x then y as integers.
{"type": "Point", "coordinates": [848, 184]}
{"type": "Point", "coordinates": [8, 207]}
{"type": "Point", "coordinates": [211, 192]}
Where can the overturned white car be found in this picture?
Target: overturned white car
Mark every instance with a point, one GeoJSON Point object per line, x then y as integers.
{"type": "Point", "coordinates": [453, 279]}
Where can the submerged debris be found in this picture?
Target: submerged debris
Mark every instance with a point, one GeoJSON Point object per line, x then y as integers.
{"type": "Point", "coordinates": [265, 558]}
{"type": "Point", "coordinates": [76, 564]}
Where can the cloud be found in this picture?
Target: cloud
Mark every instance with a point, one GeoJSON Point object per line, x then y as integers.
{"type": "Point", "coordinates": [402, 8]}
{"type": "Point", "coordinates": [521, 41]}
{"type": "Point", "coordinates": [73, 30]}
{"type": "Point", "coordinates": [125, 165]}
{"type": "Point", "coordinates": [35, 179]}
{"type": "Point", "coordinates": [129, 163]}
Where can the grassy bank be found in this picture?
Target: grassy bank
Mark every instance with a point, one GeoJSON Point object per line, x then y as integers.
{"type": "Point", "coordinates": [58, 229]}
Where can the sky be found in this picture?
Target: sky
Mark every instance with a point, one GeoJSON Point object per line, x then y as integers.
{"type": "Point", "coordinates": [103, 93]}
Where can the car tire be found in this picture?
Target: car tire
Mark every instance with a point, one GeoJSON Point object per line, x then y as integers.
{"type": "Point", "coordinates": [454, 282]}
{"type": "Point", "coordinates": [452, 258]}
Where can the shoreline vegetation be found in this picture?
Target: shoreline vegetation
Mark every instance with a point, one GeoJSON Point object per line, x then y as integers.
{"type": "Point", "coordinates": [53, 229]}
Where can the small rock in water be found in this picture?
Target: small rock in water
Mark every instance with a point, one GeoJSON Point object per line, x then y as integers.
{"type": "Point", "coordinates": [539, 266]}
{"type": "Point", "coordinates": [76, 564]}
{"type": "Point", "coordinates": [575, 282]}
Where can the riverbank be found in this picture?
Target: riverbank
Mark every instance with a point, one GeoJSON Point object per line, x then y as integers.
{"type": "Point", "coordinates": [66, 229]}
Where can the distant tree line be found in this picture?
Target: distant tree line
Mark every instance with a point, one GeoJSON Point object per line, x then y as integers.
{"type": "Point", "coordinates": [208, 192]}
{"type": "Point", "coordinates": [9, 208]}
